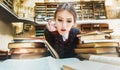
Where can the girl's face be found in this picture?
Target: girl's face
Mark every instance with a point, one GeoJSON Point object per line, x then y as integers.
{"type": "Point", "coordinates": [64, 21]}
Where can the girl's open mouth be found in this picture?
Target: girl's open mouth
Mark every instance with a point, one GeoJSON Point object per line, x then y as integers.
{"type": "Point", "coordinates": [63, 29]}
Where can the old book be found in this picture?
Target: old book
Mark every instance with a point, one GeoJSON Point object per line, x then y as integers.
{"type": "Point", "coordinates": [3, 54]}
{"type": "Point", "coordinates": [29, 39]}
{"type": "Point", "coordinates": [107, 31]}
{"type": "Point", "coordinates": [99, 44]}
{"type": "Point", "coordinates": [28, 55]}
{"type": "Point", "coordinates": [105, 59]}
{"type": "Point", "coordinates": [109, 54]}
{"type": "Point", "coordinates": [28, 50]}
{"type": "Point", "coordinates": [104, 40]}
{"type": "Point", "coordinates": [33, 44]}
{"type": "Point", "coordinates": [93, 37]}
{"type": "Point", "coordinates": [25, 45]}
{"type": "Point", "coordinates": [87, 56]}
{"type": "Point", "coordinates": [51, 50]}
{"type": "Point", "coordinates": [90, 65]}
{"type": "Point", "coordinates": [44, 63]}
{"type": "Point", "coordinates": [95, 50]}
{"type": "Point", "coordinates": [96, 32]}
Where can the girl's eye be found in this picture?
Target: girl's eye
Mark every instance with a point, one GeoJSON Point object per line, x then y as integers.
{"type": "Point", "coordinates": [59, 20]}
{"type": "Point", "coordinates": [69, 21]}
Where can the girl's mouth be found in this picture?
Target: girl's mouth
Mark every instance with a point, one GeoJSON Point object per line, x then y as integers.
{"type": "Point", "coordinates": [63, 29]}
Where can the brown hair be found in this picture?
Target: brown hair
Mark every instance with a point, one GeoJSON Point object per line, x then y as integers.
{"type": "Point", "coordinates": [68, 7]}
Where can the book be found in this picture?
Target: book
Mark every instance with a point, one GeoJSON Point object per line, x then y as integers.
{"type": "Point", "coordinates": [96, 32]}
{"type": "Point", "coordinates": [98, 44]}
{"type": "Point", "coordinates": [51, 50]}
{"type": "Point", "coordinates": [93, 37]}
{"type": "Point", "coordinates": [3, 54]}
{"type": "Point", "coordinates": [105, 59]}
{"type": "Point", "coordinates": [95, 50]}
{"type": "Point", "coordinates": [104, 40]}
{"type": "Point", "coordinates": [26, 45]}
{"type": "Point", "coordinates": [28, 50]}
{"type": "Point", "coordinates": [50, 63]}
{"type": "Point", "coordinates": [28, 55]}
{"type": "Point", "coordinates": [87, 56]}
{"type": "Point", "coordinates": [45, 63]}
{"type": "Point", "coordinates": [29, 39]}
{"type": "Point", "coordinates": [90, 65]}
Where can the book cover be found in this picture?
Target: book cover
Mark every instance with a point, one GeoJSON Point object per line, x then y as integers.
{"type": "Point", "coordinates": [98, 44]}
{"type": "Point", "coordinates": [95, 50]}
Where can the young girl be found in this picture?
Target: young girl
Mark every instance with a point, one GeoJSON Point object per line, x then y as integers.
{"type": "Point", "coordinates": [61, 36]}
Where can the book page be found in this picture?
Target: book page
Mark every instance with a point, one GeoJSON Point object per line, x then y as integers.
{"type": "Point", "coordinates": [105, 59]}
{"type": "Point", "coordinates": [90, 65]}
{"type": "Point", "coordinates": [104, 40]}
{"type": "Point", "coordinates": [45, 63]}
{"type": "Point", "coordinates": [65, 61]}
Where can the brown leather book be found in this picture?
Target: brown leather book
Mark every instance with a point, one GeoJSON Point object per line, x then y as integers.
{"type": "Point", "coordinates": [28, 50]}
{"type": "Point", "coordinates": [25, 45]}
{"type": "Point", "coordinates": [93, 37]}
{"type": "Point", "coordinates": [27, 56]}
{"type": "Point", "coordinates": [87, 56]}
{"type": "Point", "coordinates": [99, 44]}
{"type": "Point", "coordinates": [95, 50]}
{"type": "Point", "coordinates": [96, 32]}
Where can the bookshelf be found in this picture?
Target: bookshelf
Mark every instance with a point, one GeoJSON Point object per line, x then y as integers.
{"type": "Point", "coordinates": [22, 10]}
{"type": "Point", "coordinates": [44, 11]}
{"type": "Point", "coordinates": [6, 8]}
{"type": "Point", "coordinates": [15, 11]}
{"type": "Point", "coordinates": [99, 10]}
{"type": "Point", "coordinates": [86, 10]}
{"type": "Point", "coordinates": [51, 7]}
{"type": "Point", "coordinates": [40, 30]}
{"type": "Point", "coordinates": [40, 11]}
{"type": "Point", "coordinates": [90, 10]}
{"type": "Point", "coordinates": [8, 3]}
{"type": "Point", "coordinates": [93, 27]}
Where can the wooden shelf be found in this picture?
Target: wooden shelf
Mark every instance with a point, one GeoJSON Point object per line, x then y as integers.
{"type": "Point", "coordinates": [8, 14]}
{"type": "Point", "coordinates": [85, 10]}
{"type": "Point", "coordinates": [93, 27]}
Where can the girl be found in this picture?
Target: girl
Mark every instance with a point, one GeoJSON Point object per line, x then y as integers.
{"type": "Point", "coordinates": [61, 36]}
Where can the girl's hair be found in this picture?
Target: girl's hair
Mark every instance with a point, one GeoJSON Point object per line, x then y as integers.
{"type": "Point", "coordinates": [67, 7]}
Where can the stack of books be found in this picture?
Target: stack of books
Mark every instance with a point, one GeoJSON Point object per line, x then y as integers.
{"type": "Point", "coordinates": [97, 43]}
{"type": "Point", "coordinates": [3, 55]}
{"type": "Point", "coordinates": [23, 48]}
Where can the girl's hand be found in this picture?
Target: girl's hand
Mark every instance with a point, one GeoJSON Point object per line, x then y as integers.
{"type": "Point", "coordinates": [51, 27]}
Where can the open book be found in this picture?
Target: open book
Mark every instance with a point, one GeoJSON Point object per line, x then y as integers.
{"type": "Point", "coordinates": [46, 63]}
{"type": "Point", "coordinates": [105, 59]}
{"type": "Point", "coordinates": [90, 65]}
{"type": "Point", "coordinates": [95, 63]}
{"type": "Point", "coordinates": [51, 49]}
{"type": "Point", "coordinates": [50, 63]}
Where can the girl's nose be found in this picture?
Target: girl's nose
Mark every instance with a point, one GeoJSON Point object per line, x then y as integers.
{"type": "Point", "coordinates": [63, 25]}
